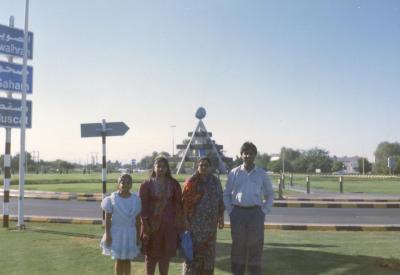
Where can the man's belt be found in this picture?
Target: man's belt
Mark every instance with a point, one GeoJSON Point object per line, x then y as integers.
{"type": "Point", "coordinates": [247, 207]}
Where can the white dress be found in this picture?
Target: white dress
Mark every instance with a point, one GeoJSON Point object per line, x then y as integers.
{"type": "Point", "coordinates": [123, 226]}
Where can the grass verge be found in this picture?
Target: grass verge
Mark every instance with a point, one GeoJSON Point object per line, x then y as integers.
{"type": "Point", "coordinates": [350, 184]}
{"type": "Point", "coordinates": [73, 249]}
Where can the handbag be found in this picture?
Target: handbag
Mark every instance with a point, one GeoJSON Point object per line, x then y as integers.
{"type": "Point", "coordinates": [186, 245]}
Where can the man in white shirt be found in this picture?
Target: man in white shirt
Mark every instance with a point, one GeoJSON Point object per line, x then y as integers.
{"type": "Point", "coordinates": [248, 197]}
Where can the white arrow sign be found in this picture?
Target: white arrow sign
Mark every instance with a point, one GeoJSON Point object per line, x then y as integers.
{"type": "Point", "coordinates": [96, 129]}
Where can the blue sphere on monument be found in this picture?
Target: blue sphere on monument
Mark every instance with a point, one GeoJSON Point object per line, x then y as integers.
{"type": "Point", "coordinates": [201, 113]}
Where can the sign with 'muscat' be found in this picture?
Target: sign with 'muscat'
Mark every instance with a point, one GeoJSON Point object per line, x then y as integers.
{"type": "Point", "coordinates": [10, 113]}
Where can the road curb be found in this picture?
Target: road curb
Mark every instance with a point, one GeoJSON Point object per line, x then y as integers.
{"type": "Point", "coordinates": [311, 203]}
{"type": "Point", "coordinates": [340, 199]}
{"type": "Point", "coordinates": [285, 202]}
{"type": "Point", "coordinates": [317, 204]}
{"type": "Point", "coordinates": [271, 226]}
{"type": "Point", "coordinates": [277, 203]}
{"type": "Point", "coordinates": [334, 227]}
{"type": "Point", "coordinates": [57, 220]}
{"type": "Point", "coordinates": [89, 199]}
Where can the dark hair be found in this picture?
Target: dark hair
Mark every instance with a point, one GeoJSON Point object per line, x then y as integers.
{"type": "Point", "coordinates": [125, 177]}
{"type": "Point", "coordinates": [248, 147]}
{"type": "Point", "coordinates": [165, 161]}
{"type": "Point", "coordinates": [204, 159]}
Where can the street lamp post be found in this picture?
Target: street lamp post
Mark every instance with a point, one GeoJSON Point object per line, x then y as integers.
{"type": "Point", "coordinates": [283, 160]}
{"type": "Point", "coordinates": [173, 142]}
{"type": "Point", "coordinates": [363, 165]}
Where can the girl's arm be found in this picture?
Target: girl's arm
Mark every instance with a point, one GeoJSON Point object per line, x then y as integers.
{"type": "Point", "coordinates": [185, 207]}
{"type": "Point", "coordinates": [137, 229]}
{"type": "Point", "coordinates": [221, 207]}
{"type": "Point", "coordinates": [108, 229]}
{"type": "Point", "coordinates": [145, 211]}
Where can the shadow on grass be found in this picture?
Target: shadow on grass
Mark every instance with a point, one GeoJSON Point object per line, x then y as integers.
{"type": "Point", "coordinates": [300, 245]}
{"type": "Point", "coordinates": [284, 259]}
{"type": "Point", "coordinates": [140, 258]}
{"type": "Point", "coordinates": [179, 259]}
{"type": "Point", "coordinates": [287, 258]}
{"type": "Point", "coordinates": [70, 234]}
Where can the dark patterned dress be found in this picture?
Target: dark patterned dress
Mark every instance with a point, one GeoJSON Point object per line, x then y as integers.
{"type": "Point", "coordinates": [162, 207]}
{"type": "Point", "coordinates": [203, 206]}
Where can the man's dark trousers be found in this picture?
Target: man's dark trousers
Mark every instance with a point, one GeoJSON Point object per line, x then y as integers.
{"type": "Point", "coordinates": [247, 231]}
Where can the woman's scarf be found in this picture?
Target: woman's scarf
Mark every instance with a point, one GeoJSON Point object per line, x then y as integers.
{"type": "Point", "coordinates": [192, 194]}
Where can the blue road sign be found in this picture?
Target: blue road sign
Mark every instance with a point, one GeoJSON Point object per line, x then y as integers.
{"type": "Point", "coordinates": [11, 77]}
{"type": "Point", "coordinates": [95, 129]}
{"type": "Point", "coordinates": [12, 42]}
{"type": "Point", "coordinates": [10, 113]}
{"type": "Point", "coordinates": [391, 162]}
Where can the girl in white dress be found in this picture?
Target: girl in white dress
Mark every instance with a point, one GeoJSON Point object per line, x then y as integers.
{"type": "Point", "coordinates": [119, 240]}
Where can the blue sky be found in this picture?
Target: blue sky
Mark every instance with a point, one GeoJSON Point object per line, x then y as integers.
{"type": "Point", "coordinates": [297, 73]}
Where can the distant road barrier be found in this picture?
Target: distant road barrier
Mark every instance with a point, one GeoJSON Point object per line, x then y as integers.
{"type": "Point", "coordinates": [274, 226]}
{"type": "Point", "coordinates": [344, 175]}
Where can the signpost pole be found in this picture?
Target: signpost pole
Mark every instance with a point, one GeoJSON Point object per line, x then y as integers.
{"type": "Point", "coordinates": [104, 164]}
{"type": "Point", "coordinates": [7, 159]}
{"type": "Point", "coordinates": [21, 222]}
{"type": "Point", "coordinates": [103, 130]}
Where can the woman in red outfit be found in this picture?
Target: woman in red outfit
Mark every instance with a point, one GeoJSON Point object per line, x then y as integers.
{"type": "Point", "coordinates": [162, 218]}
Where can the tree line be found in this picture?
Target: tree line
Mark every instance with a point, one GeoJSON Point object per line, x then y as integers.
{"type": "Point", "coordinates": [289, 160]}
{"type": "Point", "coordinates": [310, 161]}
{"type": "Point", "coordinates": [59, 166]}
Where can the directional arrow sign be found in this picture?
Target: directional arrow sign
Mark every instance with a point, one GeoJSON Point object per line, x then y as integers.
{"type": "Point", "coordinates": [10, 113]}
{"type": "Point", "coordinates": [12, 42]}
{"type": "Point", "coordinates": [96, 130]}
{"type": "Point", "coordinates": [11, 77]}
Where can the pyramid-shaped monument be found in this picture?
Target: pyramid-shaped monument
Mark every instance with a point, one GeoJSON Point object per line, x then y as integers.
{"type": "Point", "coordinates": [200, 145]}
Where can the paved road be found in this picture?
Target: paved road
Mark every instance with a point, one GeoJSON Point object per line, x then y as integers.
{"type": "Point", "coordinates": [84, 209]}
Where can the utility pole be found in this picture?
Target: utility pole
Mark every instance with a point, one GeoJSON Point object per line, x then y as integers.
{"type": "Point", "coordinates": [363, 166]}
{"type": "Point", "coordinates": [283, 160]}
{"type": "Point", "coordinates": [35, 158]}
{"type": "Point", "coordinates": [93, 157]}
{"type": "Point", "coordinates": [173, 140]}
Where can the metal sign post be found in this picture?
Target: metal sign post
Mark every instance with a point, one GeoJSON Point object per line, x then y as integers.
{"type": "Point", "coordinates": [7, 159]}
{"type": "Point", "coordinates": [21, 222]}
{"type": "Point", "coordinates": [103, 130]}
{"type": "Point", "coordinates": [104, 163]}
{"type": "Point", "coordinates": [13, 112]}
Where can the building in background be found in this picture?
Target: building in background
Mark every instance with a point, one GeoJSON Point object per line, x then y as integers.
{"type": "Point", "coordinates": [350, 164]}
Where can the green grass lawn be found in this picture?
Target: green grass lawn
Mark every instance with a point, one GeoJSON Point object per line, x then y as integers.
{"type": "Point", "coordinates": [87, 183]}
{"type": "Point", "coordinates": [79, 178]}
{"type": "Point", "coordinates": [350, 184]}
{"type": "Point", "coordinates": [92, 183]}
{"type": "Point", "coordinates": [73, 249]}
{"type": "Point", "coordinates": [31, 179]}
{"type": "Point", "coordinates": [93, 188]}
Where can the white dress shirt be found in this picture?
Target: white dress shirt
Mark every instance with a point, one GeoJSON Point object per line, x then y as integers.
{"type": "Point", "coordinates": [252, 188]}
